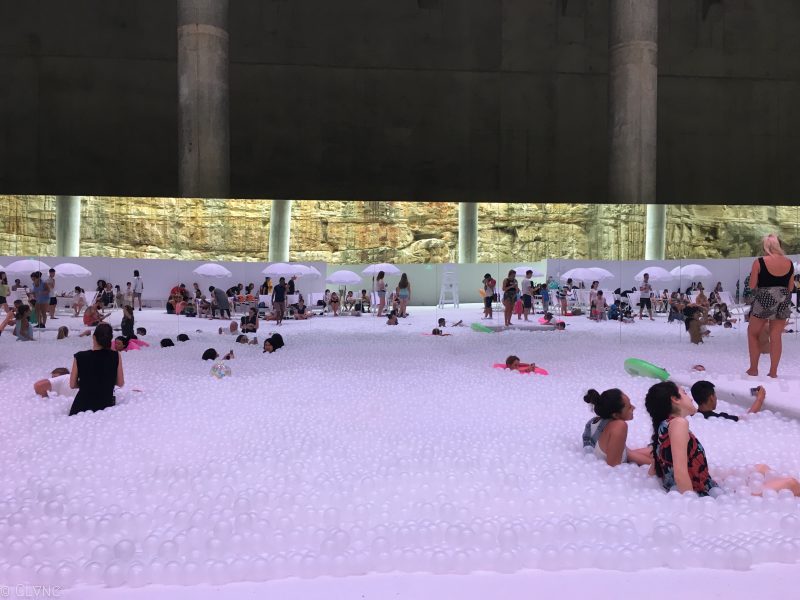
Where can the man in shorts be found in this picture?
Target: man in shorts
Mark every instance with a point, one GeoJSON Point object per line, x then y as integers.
{"type": "Point", "coordinates": [527, 293]}
{"type": "Point", "coordinates": [138, 286]}
{"type": "Point", "coordinates": [51, 281]}
{"type": "Point", "coordinates": [279, 300]}
{"type": "Point", "coordinates": [646, 291]}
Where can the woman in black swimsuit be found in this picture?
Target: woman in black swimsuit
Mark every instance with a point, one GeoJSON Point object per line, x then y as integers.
{"type": "Point", "coordinates": [510, 291]}
{"type": "Point", "coordinates": [95, 372]}
{"type": "Point", "coordinates": [772, 304]}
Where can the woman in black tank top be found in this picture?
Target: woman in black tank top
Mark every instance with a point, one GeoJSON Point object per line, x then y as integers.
{"type": "Point", "coordinates": [95, 372]}
{"type": "Point", "coordinates": [772, 304]}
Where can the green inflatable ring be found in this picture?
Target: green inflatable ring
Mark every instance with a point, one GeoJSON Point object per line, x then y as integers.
{"type": "Point", "coordinates": [642, 368]}
{"type": "Point", "coordinates": [481, 328]}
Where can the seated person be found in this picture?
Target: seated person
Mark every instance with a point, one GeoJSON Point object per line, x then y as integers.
{"type": "Point", "coordinates": [93, 315]}
{"type": "Point", "coordinates": [176, 303]}
{"type": "Point", "coordinates": [273, 342]}
{"type": "Point", "coordinates": [607, 433]}
{"type": "Point", "coordinates": [123, 344]}
{"type": "Point", "coordinates": [693, 321]}
{"type": "Point", "coordinates": [250, 321]}
{"type": "Point", "coordinates": [365, 301]}
{"type": "Point", "coordinates": [349, 301]}
{"type": "Point", "coordinates": [679, 458]}
{"type": "Point", "coordinates": [705, 396]}
{"type": "Point", "coordinates": [22, 325]}
{"type": "Point", "coordinates": [513, 363]}
{"type": "Point", "coordinates": [141, 331]}
{"type": "Point", "coordinates": [391, 319]}
{"type": "Point", "coordinates": [203, 307]}
{"type": "Point", "coordinates": [301, 311]}
{"type": "Point", "coordinates": [243, 339]}
{"type": "Point", "coordinates": [334, 303]}
{"type": "Point", "coordinates": [438, 332]}
{"type": "Point", "coordinates": [232, 328]}
{"type": "Point", "coordinates": [78, 301]}
{"type": "Point", "coordinates": [57, 384]}
{"type": "Point", "coordinates": [676, 306]}
{"type": "Point", "coordinates": [614, 311]}
{"type": "Point", "coordinates": [722, 314]}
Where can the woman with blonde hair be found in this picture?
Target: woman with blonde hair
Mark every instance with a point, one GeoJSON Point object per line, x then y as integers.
{"type": "Point", "coordinates": [771, 277]}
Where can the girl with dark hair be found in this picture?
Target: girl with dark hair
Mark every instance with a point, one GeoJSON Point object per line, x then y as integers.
{"type": "Point", "coordinates": [4, 289]}
{"type": "Point", "coordinates": [250, 321]}
{"type": "Point", "coordinates": [403, 294]}
{"type": "Point", "coordinates": [680, 460]}
{"type": "Point", "coordinates": [95, 372]}
{"type": "Point", "coordinates": [23, 328]}
{"type": "Point", "coordinates": [607, 433]}
{"type": "Point", "coordinates": [380, 289]}
{"type": "Point", "coordinates": [510, 291]}
{"type": "Point", "coordinates": [128, 322]}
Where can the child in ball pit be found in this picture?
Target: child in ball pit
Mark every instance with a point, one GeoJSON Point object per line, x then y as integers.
{"type": "Point", "coordinates": [513, 363]}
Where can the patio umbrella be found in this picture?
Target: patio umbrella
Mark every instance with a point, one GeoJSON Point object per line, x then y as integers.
{"type": "Point", "coordinates": [344, 277]}
{"type": "Point", "coordinates": [586, 274]}
{"type": "Point", "coordinates": [72, 270]}
{"type": "Point", "coordinates": [212, 270]}
{"type": "Point", "coordinates": [313, 271]}
{"type": "Point", "coordinates": [656, 274]}
{"type": "Point", "coordinates": [691, 272]}
{"type": "Point", "coordinates": [601, 273]}
{"type": "Point", "coordinates": [286, 270]}
{"type": "Point", "coordinates": [385, 267]}
{"type": "Point", "coordinates": [522, 269]}
{"type": "Point", "coordinates": [27, 265]}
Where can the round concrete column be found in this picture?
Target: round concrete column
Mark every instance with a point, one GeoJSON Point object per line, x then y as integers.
{"type": "Point", "coordinates": [632, 106]}
{"type": "Point", "coordinates": [203, 117]}
{"type": "Point", "coordinates": [655, 232]}
{"type": "Point", "coordinates": [68, 225]}
{"type": "Point", "coordinates": [467, 232]}
{"type": "Point", "coordinates": [280, 219]}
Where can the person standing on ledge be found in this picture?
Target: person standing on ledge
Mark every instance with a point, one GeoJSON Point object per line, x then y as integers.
{"type": "Point", "coordinates": [138, 287]}
{"type": "Point", "coordinates": [772, 302]}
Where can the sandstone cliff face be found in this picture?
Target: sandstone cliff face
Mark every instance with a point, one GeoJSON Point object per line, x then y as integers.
{"type": "Point", "coordinates": [402, 232]}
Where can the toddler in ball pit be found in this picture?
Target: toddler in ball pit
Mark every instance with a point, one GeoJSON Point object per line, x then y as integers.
{"type": "Point", "coordinates": [513, 363]}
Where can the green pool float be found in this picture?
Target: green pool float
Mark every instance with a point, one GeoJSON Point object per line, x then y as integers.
{"type": "Point", "coordinates": [481, 328]}
{"type": "Point", "coordinates": [642, 368]}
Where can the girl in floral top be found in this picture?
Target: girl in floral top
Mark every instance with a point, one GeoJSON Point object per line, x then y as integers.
{"type": "Point", "coordinates": [680, 460]}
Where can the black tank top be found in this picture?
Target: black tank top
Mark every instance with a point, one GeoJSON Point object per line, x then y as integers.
{"type": "Point", "coordinates": [97, 376]}
{"type": "Point", "coordinates": [767, 279]}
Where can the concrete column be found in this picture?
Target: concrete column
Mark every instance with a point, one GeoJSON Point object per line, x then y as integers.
{"type": "Point", "coordinates": [655, 232]}
{"type": "Point", "coordinates": [203, 119]}
{"type": "Point", "coordinates": [467, 232]}
{"type": "Point", "coordinates": [280, 219]}
{"type": "Point", "coordinates": [632, 103]}
{"type": "Point", "coordinates": [68, 225]}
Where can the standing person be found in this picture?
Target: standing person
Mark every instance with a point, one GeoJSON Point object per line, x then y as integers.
{"type": "Point", "coordinates": [545, 292]}
{"type": "Point", "coordinates": [403, 292]}
{"type": "Point", "coordinates": [290, 290]}
{"type": "Point", "coordinates": [279, 300]}
{"type": "Point", "coordinates": [220, 301]}
{"type": "Point", "coordinates": [510, 291]}
{"type": "Point", "coordinates": [4, 291]}
{"type": "Point", "coordinates": [266, 287]}
{"type": "Point", "coordinates": [646, 291]}
{"type": "Point", "coordinates": [41, 293]}
{"type": "Point", "coordinates": [772, 303]}
{"type": "Point", "coordinates": [95, 372]}
{"type": "Point", "coordinates": [138, 287]}
{"type": "Point", "coordinates": [489, 291]}
{"type": "Point", "coordinates": [53, 303]}
{"type": "Point", "coordinates": [527, 293]}
{"type": "Point", "coordinates": [128, 297]}
{"type": "Point", "coordinates": [380, 289]}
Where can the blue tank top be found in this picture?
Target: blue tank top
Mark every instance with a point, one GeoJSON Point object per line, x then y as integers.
{"type": "Point", "coordinates": [41, 293]}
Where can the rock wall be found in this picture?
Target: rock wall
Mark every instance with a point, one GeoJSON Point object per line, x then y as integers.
{"type": "Point", "coordinates": [402, 232]}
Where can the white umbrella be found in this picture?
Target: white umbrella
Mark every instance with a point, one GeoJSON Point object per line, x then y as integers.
{"type": "Point", "coordinates": [522, 269]}
{"type": "Point", "coordinates": [27, 265]}
{"type": "Point", "coordinates": [691, 272]}
{"type": "Point", "coordinates": [344, 277]}
{"type": "Point", "coordinates": [656, 274]}
{"type": "Point", "coordinates": [212, 270]}
{"type": "Point", "coordinates": [385, 267]}
{"type": "Point", "coordinates": [312, 271]}
{"type": "Point", "coordinates": [2, 268]}
{"type": "Point", "coordinates": [71, 270]}
{"type": "Point", "coordinates": [601, 273]}
{"type": "Point", "coordinates": [286, 270]}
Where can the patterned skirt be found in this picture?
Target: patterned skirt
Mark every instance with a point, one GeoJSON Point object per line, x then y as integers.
{"type": "Point", "coordinates": [772, 303]}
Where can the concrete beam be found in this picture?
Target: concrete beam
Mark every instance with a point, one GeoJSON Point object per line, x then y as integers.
{"type": "Point", "coordinates": [467, 232]}
{"type": "Point", "coordinates": [68, 225]}
{"type": "Point", "coordinates": [280, 220]}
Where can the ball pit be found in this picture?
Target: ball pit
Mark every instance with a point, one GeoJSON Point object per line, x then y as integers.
{"type": "Point", "coordinates": [359, 448]}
